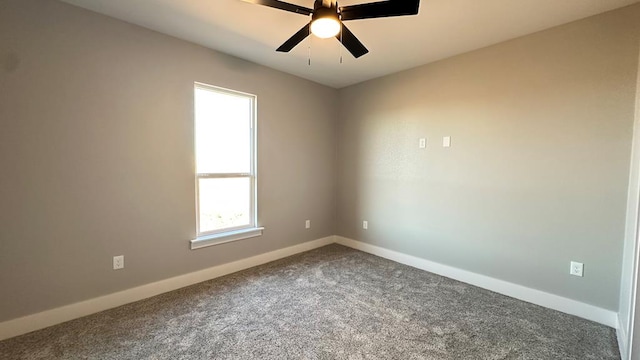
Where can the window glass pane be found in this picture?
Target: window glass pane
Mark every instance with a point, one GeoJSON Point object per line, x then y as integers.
{"type": "Point", "coordinates": [224, 203]}
{"type": "Point", "coordinates": [223, 130]}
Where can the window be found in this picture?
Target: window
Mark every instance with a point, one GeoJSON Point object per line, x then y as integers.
{"type": "Point", "coordinates": [225, 148]}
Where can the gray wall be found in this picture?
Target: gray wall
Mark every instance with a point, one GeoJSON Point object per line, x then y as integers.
{"type": "Point", "coordinates": [96, 155]}
{"type": "Point", "coordinates": [537, 174]}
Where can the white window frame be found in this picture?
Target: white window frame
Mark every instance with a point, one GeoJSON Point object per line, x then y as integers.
{"type": "Point", "coordinates": [221, 236]}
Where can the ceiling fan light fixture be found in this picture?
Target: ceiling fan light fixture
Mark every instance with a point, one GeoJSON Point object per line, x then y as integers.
{"type": "Point", "coordinates": [325, 23]}
{"type": "Point", "coordinates": [325, 28]}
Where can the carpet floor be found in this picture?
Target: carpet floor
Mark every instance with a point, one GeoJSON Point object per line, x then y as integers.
{"type": "Point", "coordinates": [329, 303]}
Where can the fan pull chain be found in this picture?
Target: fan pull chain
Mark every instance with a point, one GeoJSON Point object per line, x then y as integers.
{"type": "Point", "coordinates": [341, 45]}
{"type": "Point", "coordinates": [309, 48]}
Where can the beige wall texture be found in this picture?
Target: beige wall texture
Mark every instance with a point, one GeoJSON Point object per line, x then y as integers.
{"type": "Point", "coordinates": [96, 155]}
{"type": "Point", "coordinates": [537, 174]}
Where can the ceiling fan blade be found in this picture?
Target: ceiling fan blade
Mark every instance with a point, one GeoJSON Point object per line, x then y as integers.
{"type": "Point", "coordinates": [351, 42]}
{"type": "Point", "coordinates": [295, 39]}
{"type": "Point", "coordinates": [380, 9]}
{"type": "Point", "coordinates": [282, 6]}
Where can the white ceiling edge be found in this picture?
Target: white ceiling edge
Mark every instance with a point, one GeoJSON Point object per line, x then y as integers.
{"type": "Point", "coordinates": [444, 28]}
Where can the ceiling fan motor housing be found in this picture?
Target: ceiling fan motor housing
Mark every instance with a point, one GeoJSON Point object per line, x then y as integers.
{"type": "Point", "coordinates": [332, 4]}
{"type": "Point", "coordinates": [320, 10]}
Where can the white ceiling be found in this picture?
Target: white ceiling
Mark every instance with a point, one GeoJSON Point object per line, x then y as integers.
{"type": "Point", "coordinates": [442, 29]}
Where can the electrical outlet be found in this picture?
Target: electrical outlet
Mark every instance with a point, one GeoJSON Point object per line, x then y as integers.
{"type": "Point", "coordinates": [422, 143]}
{"type": "Point", "coordinates": [307, 224]}
{"type": "Point", "coordinates": [118, 262]}
{"type": "Point", "coordinates": [365, 224]}
{"type": "Point", "coordinates": [576, 268]}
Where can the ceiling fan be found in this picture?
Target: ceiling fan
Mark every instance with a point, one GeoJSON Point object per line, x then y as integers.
{"type": "Point", "coordinates": [327, 19]}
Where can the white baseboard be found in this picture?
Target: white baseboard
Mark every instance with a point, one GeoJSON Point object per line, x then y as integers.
{"type": "Point", "coordinates": [59, 315]}
{"type": "Point", "coordinates": [555, 302]}
{"type": "Point", "coordinates": [621, 332]}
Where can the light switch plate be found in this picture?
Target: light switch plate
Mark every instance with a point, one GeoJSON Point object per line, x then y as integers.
{"type": "Point", "coordinates": [446, 141]}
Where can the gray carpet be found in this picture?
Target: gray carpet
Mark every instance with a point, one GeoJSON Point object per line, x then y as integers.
{"type": "Point", "coordinates": [329, 303]}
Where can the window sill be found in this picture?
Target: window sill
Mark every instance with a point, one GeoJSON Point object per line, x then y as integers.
{"type": "Point", "coordinates": [223, 238]}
